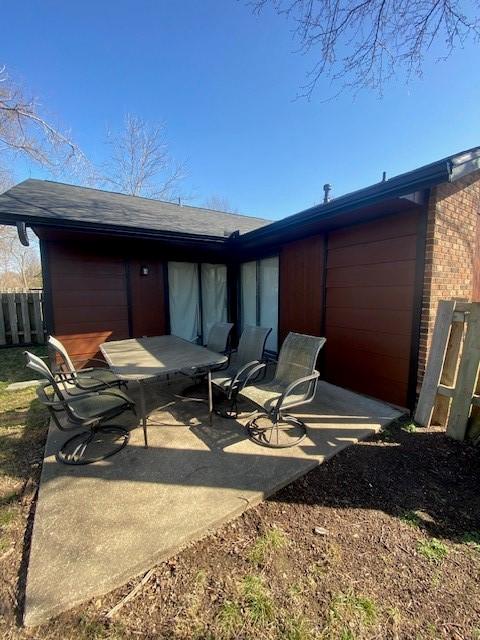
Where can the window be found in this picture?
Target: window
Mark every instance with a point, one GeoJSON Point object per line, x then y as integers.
{"type": "Point", "coordinates": [197, 297]}
{"type": "Point", "coordinates": [259, 297]}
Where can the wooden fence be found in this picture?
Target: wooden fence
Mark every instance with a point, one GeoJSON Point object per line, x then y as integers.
{"type": "Point", "coordinates": [21, 317]}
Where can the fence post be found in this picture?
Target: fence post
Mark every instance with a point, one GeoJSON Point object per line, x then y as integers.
{"type": "Point", "coordinates": [12, 313]}
{"type": "Point", "coordinates": [27, 335]}
{"type": "Point", "coordinates": [38, 317]}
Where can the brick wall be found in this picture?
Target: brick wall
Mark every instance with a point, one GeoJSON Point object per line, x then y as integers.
{"type": "Point", "coordinates": [451, 253]}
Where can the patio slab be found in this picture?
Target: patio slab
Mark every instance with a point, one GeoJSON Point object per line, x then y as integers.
{"type": "Point", "coordinates": [99, 525]}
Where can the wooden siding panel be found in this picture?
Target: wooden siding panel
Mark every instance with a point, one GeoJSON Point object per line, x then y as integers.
{"type": "Point", "coordinates": [372, 275]}
{"type": "Point", "coordinates": [301, 286]}
{"type": "Point", "coordinates": [370, 285]}
{"type": "Point", "coordinates": [390, 321]}
{"type": "Point", "coordinates": [89, 298]}
{"type": "Point", "coordinates": [147, 299]}
{"type": "Point", "coordinates": [73, 298]}
{"type": "Point", "coordinates": [396, 226]}
{"type": "Point", "coordinates": [390, 250]}
{"type": "Point", "coordinates": [393, 297]}
{"type": "Point", "coordinates": [375, 342]}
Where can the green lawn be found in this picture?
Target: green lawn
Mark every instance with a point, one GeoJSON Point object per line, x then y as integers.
{"type": "Point", "coordinates": [22, 435]}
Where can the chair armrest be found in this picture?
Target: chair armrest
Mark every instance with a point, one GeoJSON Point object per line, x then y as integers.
{"type": "Point", "coordinates": [79, 361]}
{"type": "Point", "coordinates": [244, 370]}
{"type": "Point", "coordinates": [311, 378]}
{"type": "Point", "coordinates": [44, 398]}
{"type": "Point", "coordinates": [238, 376]}
{"type": "Point", "coordinates": [253, 372]}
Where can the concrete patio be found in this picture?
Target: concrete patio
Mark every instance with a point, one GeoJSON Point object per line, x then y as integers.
{"type": "Point", "coordinates": [98, 526]}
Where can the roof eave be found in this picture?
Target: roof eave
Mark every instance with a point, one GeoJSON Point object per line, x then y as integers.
{"type": "Point", "coordinates": [108, 229]}
{"type": "Point", "coordinates": [395, 188]}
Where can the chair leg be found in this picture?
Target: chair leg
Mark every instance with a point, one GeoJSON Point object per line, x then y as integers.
{"type": "Point", "coordinates": [231, 413]}
{"type": "Point", "coordinates": [281, 431]}
{"type": "Point", "coordinates": [94, 445]}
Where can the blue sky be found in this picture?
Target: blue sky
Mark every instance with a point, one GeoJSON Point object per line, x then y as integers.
{"type": "Point", "coordinates": [225, 82]}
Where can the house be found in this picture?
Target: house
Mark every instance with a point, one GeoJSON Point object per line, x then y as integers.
{"type": "Point", "coordinates": [366, 269]}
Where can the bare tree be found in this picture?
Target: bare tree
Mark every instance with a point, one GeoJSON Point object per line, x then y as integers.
{"type": "Point", "coordinates": [140, 162]}
{"type": "Point", "coordinates": [361, 43]}
{"type": "Point", "coordinates": [26, 132]}
{"type": "Point", "coordinates": [6, 179]}
{"type": "Point", "coordinates": [219, 203]}
{"type": "Point", "coordinates": [19, 265]}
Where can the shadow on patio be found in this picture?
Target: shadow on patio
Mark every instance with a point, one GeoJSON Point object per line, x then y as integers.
{"type": "Point", "coordinates": [99, 525]}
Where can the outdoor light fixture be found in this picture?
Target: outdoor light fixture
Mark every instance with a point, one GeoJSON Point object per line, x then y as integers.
{"type": "Point", "coordinates": [143, 270]}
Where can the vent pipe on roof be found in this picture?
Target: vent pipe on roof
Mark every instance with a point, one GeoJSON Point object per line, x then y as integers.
{"type": "Point", "coordinates": [327, 188]}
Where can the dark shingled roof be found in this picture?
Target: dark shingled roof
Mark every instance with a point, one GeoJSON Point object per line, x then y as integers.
{"type": "Point", "coordinates": [46, 202]}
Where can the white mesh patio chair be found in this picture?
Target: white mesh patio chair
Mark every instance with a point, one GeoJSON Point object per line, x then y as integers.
{"type": "Point", "coordinates": [248, 355]}
{"type": "Point", "coordinates": [91, 412]}
{"type": "Point", "coordinates": [294, 383]}
{"type": "Point", "coordinates": [84, 379]}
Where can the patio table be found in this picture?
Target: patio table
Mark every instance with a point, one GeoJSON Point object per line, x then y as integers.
{"type": "Point", "coordinates": [147, 359]}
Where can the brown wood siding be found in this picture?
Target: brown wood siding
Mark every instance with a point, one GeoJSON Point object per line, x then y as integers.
{"type": "Point", "coordinates": [370, 285]}
{"type": "Point", "coordinates": [147, 295]}
{"type": "Point", "coordinates": [301, 287]}
{"type": "Point", "coordinates": [89, 298]}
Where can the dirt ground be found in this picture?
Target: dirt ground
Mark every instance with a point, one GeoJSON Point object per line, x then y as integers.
{"type": "Point", "coordinates": [382, 541]}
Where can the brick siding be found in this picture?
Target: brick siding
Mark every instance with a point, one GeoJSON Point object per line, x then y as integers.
{"type": "Point", "coordinates": [451, 252]}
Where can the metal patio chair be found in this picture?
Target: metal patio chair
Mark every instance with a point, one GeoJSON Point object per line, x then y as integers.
{"type": "Point", "coordinates": [89, 379]}
{"type": "Point", "coordinates": [88, 411]}
{"type": "Point", "coordinates": [294, 383]}
{"type": "Point", "coordinates": [248, 355]}
{"type": "Point", "coordinates": [218, 340]}
{"type": "Point", "coordinates": [219, 336]}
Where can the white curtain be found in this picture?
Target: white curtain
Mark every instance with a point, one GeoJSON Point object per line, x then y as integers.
{"type": "Point", "coordinates": [267, 289]}
{"type": "Point", "coordinates": [248, 294]}
{"type": "Point", "coordinates": [184, 300]}
{"type": "Point", "coordinates": [214, 296]}
{"type": "Point", "coordinates": [269, 299]}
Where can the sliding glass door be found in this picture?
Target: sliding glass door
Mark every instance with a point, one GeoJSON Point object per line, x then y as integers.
{"type": "Point", "coordinates": [259, 297]}
{"type": "Point", "coordinates": [197, 297]}
{"type": "Point", "coordinates": [184, 300]}
{"type": "Point", "coordinates": [214, 296]}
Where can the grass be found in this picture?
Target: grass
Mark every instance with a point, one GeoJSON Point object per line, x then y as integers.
{"type": "Point", "coordinates": [349, 615]}
{"type": "Point", "coordinates": [472, 539]}
{"type": "Point", "coordinates": [97, 630]}
{"type": "Point", "coordinates": [229, 617]}
{"type": "Point", "coordinates": [18, 409]}
{"type": "Point", "coordinates": [12, 364]}
{"type": "Point", "coordinates": [410, 427]}
{"type": "Point", "coordinates": [22, 430]}
{"type": "Point", "coordinates": [433, 550]}
{"type": "Point", "coordinates": [258, 602]}
{"type": "Point", "coordinates": [412, 518]}
{"type": "Point", "coordinates": [264, 547]}
{"type": "Point", "coordinates": [297, 628]}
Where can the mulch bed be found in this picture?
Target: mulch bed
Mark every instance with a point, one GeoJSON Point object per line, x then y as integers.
{"type": "Point", "coordinates": [385, 504]}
